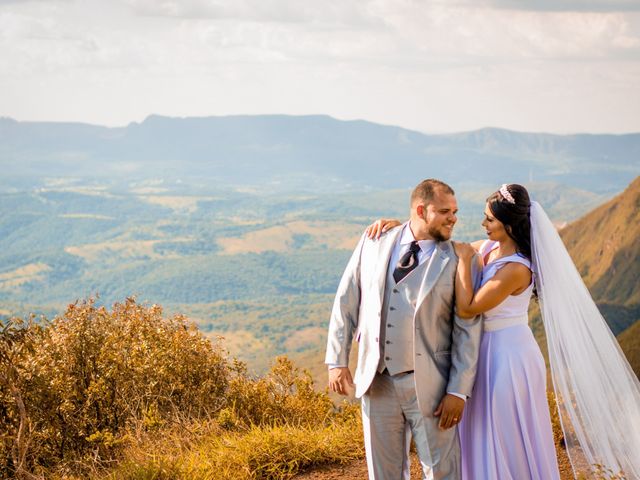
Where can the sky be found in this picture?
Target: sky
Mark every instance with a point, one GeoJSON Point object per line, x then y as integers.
{"type": "Point", "coordinates": [560, 66]}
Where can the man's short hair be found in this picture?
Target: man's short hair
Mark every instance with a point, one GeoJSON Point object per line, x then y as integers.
{"type": "Point", "coordinates": [426, 190]}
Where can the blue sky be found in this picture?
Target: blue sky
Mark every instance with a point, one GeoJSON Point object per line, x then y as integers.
{"type": "Point", "coordinates": [436, 66]}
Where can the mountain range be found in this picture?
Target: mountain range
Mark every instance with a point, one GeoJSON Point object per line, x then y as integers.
{"type": "Point", "coordinates": [297, 150]}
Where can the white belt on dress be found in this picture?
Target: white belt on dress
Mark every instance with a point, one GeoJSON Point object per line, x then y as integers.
{"type": "Point", "coordinates": [500, 323]}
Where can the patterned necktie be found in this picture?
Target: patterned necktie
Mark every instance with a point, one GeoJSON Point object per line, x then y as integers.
{"type": "Point", "coordinates": [407, 262]}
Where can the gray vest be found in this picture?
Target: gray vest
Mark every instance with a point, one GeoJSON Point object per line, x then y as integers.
{"type": "Point", "coordinates": [396, 326]}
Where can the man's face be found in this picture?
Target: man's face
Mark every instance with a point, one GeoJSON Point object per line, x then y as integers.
{"type": "Point", "coordinates": [440, 216]}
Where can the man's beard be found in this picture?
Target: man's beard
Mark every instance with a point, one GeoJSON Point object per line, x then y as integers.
{"type": "Point", "coordinates": [438, 235]}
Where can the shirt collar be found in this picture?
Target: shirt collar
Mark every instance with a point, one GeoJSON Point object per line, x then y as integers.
{"type": "Point", "coordinates": [407, 237]}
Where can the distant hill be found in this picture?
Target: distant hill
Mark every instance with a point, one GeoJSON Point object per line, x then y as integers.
{"type": "Point", "coordinates": [605, 248]}
{"type": "Point", "coordinates": [289, 149]}
{"type": "Point", "coordinates": [630, 344]}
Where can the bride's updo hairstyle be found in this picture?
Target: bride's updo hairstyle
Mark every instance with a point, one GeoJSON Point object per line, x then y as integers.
{"type": "Point", "coordinates": [511, 204]}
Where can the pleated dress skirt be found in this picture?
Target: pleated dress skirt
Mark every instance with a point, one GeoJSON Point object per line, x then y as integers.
{"type": "Point", "coordinates": [505, 432]}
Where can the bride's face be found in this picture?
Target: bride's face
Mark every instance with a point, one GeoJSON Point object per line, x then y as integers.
{"type": "Point", "coordinates": [494, 227]}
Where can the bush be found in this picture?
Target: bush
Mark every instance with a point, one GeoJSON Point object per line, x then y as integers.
{"type": "Point", "coordinates": [285, 395]}
{"type": "Point", "coordinates": [74, 385]}
{"type": "Point", "coordinates": [128, 393]}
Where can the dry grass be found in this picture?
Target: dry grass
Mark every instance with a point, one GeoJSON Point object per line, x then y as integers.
{"type": "Point", "coordinates": [281, 238]}
{"type": "Point", "coordinates": [276, 452]}
{"type": "Point", "coordinates": [183, 203]}
{"type": "Point", "coordinates": [123, 249]}
{"type": "Point", "coordinates": [32, 272]}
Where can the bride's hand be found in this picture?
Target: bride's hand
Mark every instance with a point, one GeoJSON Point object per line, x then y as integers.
{"type": "Point", "coordinates": [464, 251]}
{"type": "Point", "coordinates": [380, 226]}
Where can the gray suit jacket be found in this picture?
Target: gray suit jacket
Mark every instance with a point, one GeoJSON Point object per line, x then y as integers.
{"type": "Point", "coordinates": [445, 346]}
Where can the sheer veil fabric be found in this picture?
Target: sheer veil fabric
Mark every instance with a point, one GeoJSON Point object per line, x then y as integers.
{"type": "Point", "coordinates": [597, 392]}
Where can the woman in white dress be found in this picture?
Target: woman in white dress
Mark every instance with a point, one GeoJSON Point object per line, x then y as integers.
{"type": "Point", "coordinates": [506, 430]}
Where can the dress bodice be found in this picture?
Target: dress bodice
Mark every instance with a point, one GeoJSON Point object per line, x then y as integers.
{"type": "Point", "coordinates": [513, 305]}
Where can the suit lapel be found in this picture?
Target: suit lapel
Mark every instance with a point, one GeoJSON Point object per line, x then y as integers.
{"type": "Point", "coordinates": [437, 263]}
{"type": "Point", "coordinates": [384, 254]}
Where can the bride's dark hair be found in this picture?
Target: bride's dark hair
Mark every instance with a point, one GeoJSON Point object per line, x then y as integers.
{"type": "Point", "coordinates": [514, 216]}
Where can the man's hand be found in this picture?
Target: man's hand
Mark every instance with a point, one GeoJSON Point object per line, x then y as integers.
{"type": "Point", "coordinates": [450, 411]}
{"type": "Point", "coordinates": [340, 380]}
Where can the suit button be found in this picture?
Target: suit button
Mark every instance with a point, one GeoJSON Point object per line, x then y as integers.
{"type": "Point", "coordinates": [392, 308]}
{"type": "Point", "coordinates": [376, 339]}
{"type": "Point", "coordinates": [387, 358]}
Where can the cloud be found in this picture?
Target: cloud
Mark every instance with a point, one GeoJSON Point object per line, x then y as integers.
{"type": "Point", "coordinates": [463, 35]}
{"type": "Point", "coordinates": [326, 12]}
{"type": "Point", "coordinates": [408, 36]}
{"type": "Point", "coordinates": [566, 5]}
{"type": "Point", "coordinates": [409, 62]}
{"type": "Point", "coordinates": [24, 2]}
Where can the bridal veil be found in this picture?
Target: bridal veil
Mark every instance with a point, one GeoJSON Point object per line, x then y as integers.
{"type": "Point", "coordinates": [597, 392]}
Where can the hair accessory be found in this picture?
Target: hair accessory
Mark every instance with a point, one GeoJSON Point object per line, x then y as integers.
{"type": "Point", "coordinates": [504, 191]}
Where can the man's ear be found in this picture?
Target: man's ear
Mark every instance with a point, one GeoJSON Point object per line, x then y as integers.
{"type": "Point", "coordinates": [420, 210]}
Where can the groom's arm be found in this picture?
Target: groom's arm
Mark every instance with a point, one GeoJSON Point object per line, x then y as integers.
{"type": "Point", "coordinates": [345, 312]}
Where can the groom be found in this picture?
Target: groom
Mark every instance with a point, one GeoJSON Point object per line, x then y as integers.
{"type": "Point", "coordinates": [416, 358]}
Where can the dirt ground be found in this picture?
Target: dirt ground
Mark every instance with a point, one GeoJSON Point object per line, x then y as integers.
{"type": "Point", "coordinates": [354, 470]}
{"type": "Point", "coordinates": [358, 470]}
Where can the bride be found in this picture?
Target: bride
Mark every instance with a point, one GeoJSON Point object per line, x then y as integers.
{"type": "Point", "coordinates": [506, 430]}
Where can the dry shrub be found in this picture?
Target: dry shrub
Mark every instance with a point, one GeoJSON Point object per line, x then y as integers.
{"type": "Point", "coordinates": [17, 340]}
{"type": "Point", "coordinates": [74, 385]}
{"type": "Point", "coordinates": [127, 393]}
{"type": "Point", "coordinates": [285, 395]}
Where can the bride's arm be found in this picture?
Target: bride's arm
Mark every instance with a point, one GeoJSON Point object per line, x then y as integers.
{"type": "Point", "coordinates": [508, 280]}
{"type": "Point", "coordinates": [464, 278]}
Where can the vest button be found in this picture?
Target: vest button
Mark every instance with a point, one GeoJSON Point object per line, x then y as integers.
{"type": "Point", "coordinates": [392, 308]}
{"type": "Point", "coordinates": [395, 290]}
{"type": "Point", "coordinates": [388, 342]}
{"type": "Point", "coordinates": [387, 358]}
{"type": "Point", "coordinates": [389, 325]}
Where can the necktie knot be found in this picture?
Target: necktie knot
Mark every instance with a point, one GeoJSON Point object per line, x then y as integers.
{"type": "Point", "coordinates": [407, 262]}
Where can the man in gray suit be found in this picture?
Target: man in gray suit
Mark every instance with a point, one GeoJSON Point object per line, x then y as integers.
{"type": "Point", "coordinates": [416, 358]}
